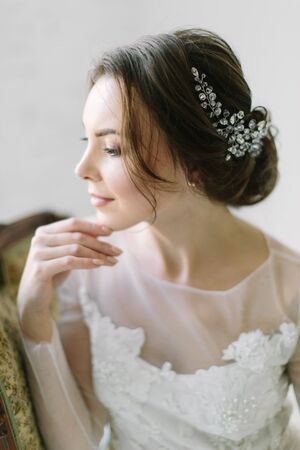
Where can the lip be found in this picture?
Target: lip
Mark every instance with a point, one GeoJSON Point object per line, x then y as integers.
{"type": "Point", "coordinates": [99, 196]}
{"type": "Point", "coordinates": [96, 200]}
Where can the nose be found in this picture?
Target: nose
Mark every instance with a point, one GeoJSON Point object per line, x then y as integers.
{"type": "Point", "coordinates": [87, 168]}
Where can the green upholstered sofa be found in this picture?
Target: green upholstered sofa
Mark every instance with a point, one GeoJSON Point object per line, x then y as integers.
{"type": "Point", "coordinates": [18, 424]}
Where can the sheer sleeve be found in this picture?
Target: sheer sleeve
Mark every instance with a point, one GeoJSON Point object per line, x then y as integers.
{"type": "Point", "coordinates": [293, 366]}
{"type": "Point", "coordinates": [66, 420]}
{"type": "Point", "coordinates": [67, 297]}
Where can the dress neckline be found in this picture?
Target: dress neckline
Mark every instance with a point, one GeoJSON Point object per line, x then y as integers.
{"type": "Point", "coordinates": [248, 339]}
{"type": "Point", "coordinates": [137, 267]}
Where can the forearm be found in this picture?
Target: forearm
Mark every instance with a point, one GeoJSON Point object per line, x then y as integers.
{"type": "Point", "coordinates": [63, 416]}
{"type": "Point", "coordinates": [36, 326]}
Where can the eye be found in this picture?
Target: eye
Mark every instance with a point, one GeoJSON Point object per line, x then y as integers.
{"type": "Point", "coordinates": [107, 150]}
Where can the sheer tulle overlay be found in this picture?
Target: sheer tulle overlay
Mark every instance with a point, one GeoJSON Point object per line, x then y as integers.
{"type": "Point", "coordinates": [175, 367]}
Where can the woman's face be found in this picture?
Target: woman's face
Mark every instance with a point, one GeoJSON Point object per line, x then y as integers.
{"type": "Point", "coordinates": [104, 169]}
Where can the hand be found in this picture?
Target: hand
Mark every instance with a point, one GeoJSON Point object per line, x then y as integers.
{"type": "Point", "coordinates": [56, 249]}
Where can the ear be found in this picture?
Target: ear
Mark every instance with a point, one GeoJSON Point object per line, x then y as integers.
{"type": "Point", "coordinates": [196, 177]}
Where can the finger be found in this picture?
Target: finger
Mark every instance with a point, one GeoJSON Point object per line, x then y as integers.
{"type": "Point", "coordinates": [48, 269]}
{"type": "Point", "coordinates": [46, 253]}
{"type": "Point", "coordinates": [53, 240]}
{"type": "Point", "coordinates": [72, 224]}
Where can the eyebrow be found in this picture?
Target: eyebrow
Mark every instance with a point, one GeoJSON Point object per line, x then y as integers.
{"type": "Point", "coordinates": [105, 131]}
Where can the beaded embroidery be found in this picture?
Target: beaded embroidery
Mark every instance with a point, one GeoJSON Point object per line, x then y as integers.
{"type": "Point", "coordinates": [229, 405]}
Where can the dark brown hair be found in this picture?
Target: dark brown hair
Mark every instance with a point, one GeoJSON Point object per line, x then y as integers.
{"type": "Point", "coordinates": [156, 70]}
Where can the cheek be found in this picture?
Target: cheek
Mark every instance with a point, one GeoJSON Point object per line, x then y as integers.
{"type": "Point", "coordinates": [119, 182]}
{"type": "Point", "coordinates": [123, 189]}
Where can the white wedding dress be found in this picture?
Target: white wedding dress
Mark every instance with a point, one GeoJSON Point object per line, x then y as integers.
{"type": "Point", "coordinates": [176, 367]}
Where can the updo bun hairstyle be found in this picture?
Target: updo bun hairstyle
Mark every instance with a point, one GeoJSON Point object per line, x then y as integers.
{"type": "Point", "coordinates": [156, 71]}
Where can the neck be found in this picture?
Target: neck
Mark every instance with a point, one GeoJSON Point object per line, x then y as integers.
{"type": "Point", "coordinates": [175, 245]}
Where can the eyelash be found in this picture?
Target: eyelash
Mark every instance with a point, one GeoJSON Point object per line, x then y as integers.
{"type": "Point", "coordinates": [107, 149]}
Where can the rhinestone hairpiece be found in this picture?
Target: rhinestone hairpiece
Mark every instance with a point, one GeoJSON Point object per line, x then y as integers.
{"type": "Point", "coordinates": [241, 138]}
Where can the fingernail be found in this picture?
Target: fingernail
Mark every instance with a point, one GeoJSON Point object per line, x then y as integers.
{"type": "Point", "coordinates": [116, 250]}
{"type": "Point", "coordinates": [106, 229]}
{"type": "Point", "coordinates": [112, 259]}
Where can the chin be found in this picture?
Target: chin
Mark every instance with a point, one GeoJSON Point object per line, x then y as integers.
{"type": "Point", "coordinates": [123, 223]}
{"type": "Point", "coordinates": [115, 225]}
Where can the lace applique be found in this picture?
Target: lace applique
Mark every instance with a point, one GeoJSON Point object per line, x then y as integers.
{"type": "Point", "coordinates": [114, 361]}
{"type": "Point", "coordinates": [233, 396]}
{"type": "Point", "coordinates": [126, 341]}
{"type": "Point", "coordinates": [257, 351]}
{"type": "Point", "coordinates": [229, 404]}
{"type": "Point", "coordinates": [278, 435]}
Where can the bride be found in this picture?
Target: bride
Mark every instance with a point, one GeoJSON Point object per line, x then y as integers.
{"type": "Point", "coordinates": [178, 325]}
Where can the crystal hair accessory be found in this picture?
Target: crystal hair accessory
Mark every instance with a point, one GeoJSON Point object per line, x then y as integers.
{"type": "Point", "coordinates": [241, 138]}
